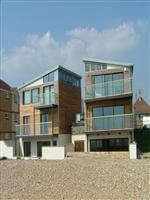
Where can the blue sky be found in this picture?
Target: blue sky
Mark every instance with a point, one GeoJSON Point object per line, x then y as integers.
{"type": "Point", "coordinates": [39, 34]}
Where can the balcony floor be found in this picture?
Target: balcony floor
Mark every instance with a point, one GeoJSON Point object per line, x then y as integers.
{"type": "Point", "coordinates": [92, 99]}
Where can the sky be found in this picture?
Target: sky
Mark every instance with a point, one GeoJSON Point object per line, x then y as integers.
{"type": "Point", "coordinates": [36, 35]}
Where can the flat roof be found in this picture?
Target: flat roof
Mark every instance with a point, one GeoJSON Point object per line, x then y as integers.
{"type": "Point", "coordinates": [107, 62]}
{"type": "Point", "coordinates": [52, 69]}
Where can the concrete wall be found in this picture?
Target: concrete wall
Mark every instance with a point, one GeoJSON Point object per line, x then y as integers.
{"type": "Point", "coordinates": [53, 153]}
{"type": "Point", "coordinates": [7, 148]}
{"type": "Point", "coordinates": [80, 137]}
{"type": "Point", "coordinates": [64, 139]}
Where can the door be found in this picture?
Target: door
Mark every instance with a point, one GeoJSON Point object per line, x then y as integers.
{"type": "Point", "coordinates": [44, 123]}
{"type": "Point", "coordinates": [27, 149]}
{"type": "Point", "coordinates": [79, 146]}
{"type": "Point", "coordinates": [26, 125]}
{"type": "Point", "coordinates": [40, 145]}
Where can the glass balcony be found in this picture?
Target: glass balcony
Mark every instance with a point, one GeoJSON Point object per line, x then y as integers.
{"type": "Point", "coordinates": [46, 100]}
{"type": "Point", "coordinates": [110, 88]}
{"type": "Point", "coordinates": [44, 128]}
{"type": "Point", "coordinates": [107, 123]}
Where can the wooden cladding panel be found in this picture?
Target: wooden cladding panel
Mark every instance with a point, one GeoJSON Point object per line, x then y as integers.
{"type": "Point", "coordinates": [69, 105]}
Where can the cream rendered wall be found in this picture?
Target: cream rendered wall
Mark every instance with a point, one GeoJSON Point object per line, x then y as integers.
{"type": "Point", "coordinates": [36, 83]}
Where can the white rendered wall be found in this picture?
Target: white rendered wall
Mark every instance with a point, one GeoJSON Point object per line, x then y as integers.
{"type": "Point", "coordinates": [6, 148]}
{"type": "Point", "coordinates": [80, 137]}
{"type": "Point", "coordinates": [133, 151]}
{"type": "Point", "coordinates": [53, 153]}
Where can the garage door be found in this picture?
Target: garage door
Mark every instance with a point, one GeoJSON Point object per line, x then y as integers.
{"type": "Point", "coordinates": [79, 146]}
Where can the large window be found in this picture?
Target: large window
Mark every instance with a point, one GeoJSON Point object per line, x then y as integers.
{"type": "Point", "coordinates": [27, 97]}
{"type": "Point", "coordinates": [69, 78]}
{"type": "Point", "coordinates": [35, 95]}
{"type": "Point", "coordinates": [114, 144]}
{"type": "Point", "coordinates": [105, 118]}
{"type": "Point", "coordinates": [108, 84]}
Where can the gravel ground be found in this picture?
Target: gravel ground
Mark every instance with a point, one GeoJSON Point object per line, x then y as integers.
{"type": "Point", "coordinates": [75, 178]}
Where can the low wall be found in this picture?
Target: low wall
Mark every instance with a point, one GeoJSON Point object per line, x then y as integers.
{"type": "Point", "coordinates": [6, 148]}
{"type": "Point", "coordinates": [53, 153]}
{"type": "Point", "coordinates": [111, 154]}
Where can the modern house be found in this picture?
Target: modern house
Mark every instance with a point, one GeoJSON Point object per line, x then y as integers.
{"type": "Point", "coordinates": [142, 113]}
{"type": "Point", "coordinates": [9, 117]}
{"type": "Point", "coordinates": [9, 110]}
{"type": "Point", "coordinates": [108, 113]}
{"type": "Point", "coordinates": [48, 105]}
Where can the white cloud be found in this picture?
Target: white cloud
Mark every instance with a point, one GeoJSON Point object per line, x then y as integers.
{"type": "Point", "coordinates": [39, 52]}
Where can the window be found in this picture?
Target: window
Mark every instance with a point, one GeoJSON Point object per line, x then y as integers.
{"type": "Point", "coordinates": [87, 67]}
{"type": "Point", "coordinates": [6, 116]}
{"type": "Point", "coordinates": [35, 95]}
{"type": "Point", "coordinates": [26, 97]}
{"type": "Point", "coordinates": [49, 77]}
{"type": "Point", "coordinates": [69, 78]}
{"type": "Point", "coordinates": [93, 67]}
{"type": "Point", "coordinates": [54, 143]}
{"type": "Point", "coordinates": [16, 98]}
{"type": "Point", "coordinates": [8, 95]}
{"type": "Point", "coordinates": [98, 111]}
{"type": "Point", "coordinates": [104, 66]}
{"type": "Point", "coordinates": [16, 118]}
{"type": "Point", "coordinates": [114, 117]}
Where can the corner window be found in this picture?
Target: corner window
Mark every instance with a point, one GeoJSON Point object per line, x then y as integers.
{"type": "Point", "coordinates": [35, 95]}
{"type": "Point", "coordinates": [49, 77]}
{"type": "Point", "coordinates": [87, 67]}
{"type": "Point", "coordinates": [27, 97]}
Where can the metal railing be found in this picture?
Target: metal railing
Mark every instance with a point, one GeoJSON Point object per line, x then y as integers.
{"type": "Point", "coordinates": [106, 123]}
{"type": "Point", "coordinates": [45, 128]}
{"type": "Point", "coordinates": [44, 99]}
{"type": "Point", "coordinates": [110, 88]}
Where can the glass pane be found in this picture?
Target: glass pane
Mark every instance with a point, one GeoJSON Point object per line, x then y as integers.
{"type": "Point", "coordinates": [98, 79]}
{"type": "Point", "coordinates": [108, 77]}
{"type": "Point", "coordinates": [118, 122]}
{"type": "Point", "coordinates": [108, 123]}
{"type": "Point", "coordinates": [98, 124]}
{"type": "Point", "coordinates": [118, 110]}
{"type": "Point", "coordinates": [118, 86]}
{"type": "Point", "coordinates": [46, 78]}
{"type": "Point", "coordinates": [117, 76]}
{"type": "Point", "coordinates": [27, 97]}
{"type": "Point", "coordinates": [93, 67]}
{"type": "Point", "coordinates": [35, 95]}
{"type": "Point", "coordinates": [98, 111]}
{"type": "Point", "coordinates": [108, 111]}
{"type": "Point", "coordinates": [51, 76]}
{"type": "Point", "coordinates": [48, 95]}
{"type": "Point", "coordinates": [87, 67]}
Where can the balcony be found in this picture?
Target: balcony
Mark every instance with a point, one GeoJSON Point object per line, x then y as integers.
{"type": "Point", "coordinates": [108, 123]}
{"type": "Point", "coordinates": [45, 100]}
{"type": "Point", "coordinates": [36, 129]}
{"type": "Point", "coordinates": [108, 89]}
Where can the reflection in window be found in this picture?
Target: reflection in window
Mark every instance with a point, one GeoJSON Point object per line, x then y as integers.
{"type": "Point", "coordinates": [26, 97]}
